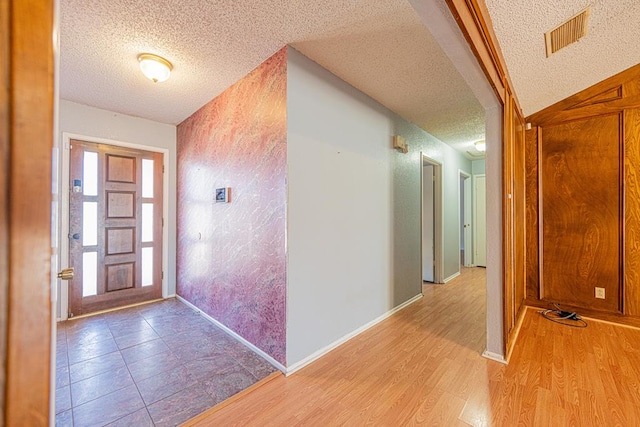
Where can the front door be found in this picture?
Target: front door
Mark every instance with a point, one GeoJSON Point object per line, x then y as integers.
{"type": "Point", "coordinates": [115, 226]}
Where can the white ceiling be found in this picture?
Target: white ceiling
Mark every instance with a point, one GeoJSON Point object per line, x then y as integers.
{"type": "Point", "coordinates": [611, 45]}
{"type": "Point", "coordinates": [377, 46]}
{"type": "Point", "coordinates": [380, 47]}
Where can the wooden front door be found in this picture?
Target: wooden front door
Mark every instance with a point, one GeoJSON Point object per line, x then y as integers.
{"type": "Point", "coordinates": [115, 226]}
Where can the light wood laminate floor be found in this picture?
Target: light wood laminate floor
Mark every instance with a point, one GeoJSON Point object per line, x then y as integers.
{"type": "Point", "coordinates": [424, 366]}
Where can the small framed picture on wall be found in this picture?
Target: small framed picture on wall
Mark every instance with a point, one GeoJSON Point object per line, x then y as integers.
{"type": "Point", "coordinates": [223, 195]}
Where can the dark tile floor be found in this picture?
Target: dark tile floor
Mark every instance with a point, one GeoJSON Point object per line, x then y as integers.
{"type": "Point", "coordinates": [155, 364]}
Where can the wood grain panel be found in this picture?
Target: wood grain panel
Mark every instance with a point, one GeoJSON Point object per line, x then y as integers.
{"type": "Point", "coordinates": [31, 143]}
{"type": "Point", "coordinates": [120, 204]}
{"type": "Point", "coordinates": [120, 276]}
{"type": "Point", "coordinates": [632, 212]}
{"type": "Point", "coordinates": [120, 240]}
{"type": "Point", "coordinates": [531, 184]}
{"type": "Point", "coordinates": [121, 169]}
{"type": "Point", "coordinates": [580, 182]}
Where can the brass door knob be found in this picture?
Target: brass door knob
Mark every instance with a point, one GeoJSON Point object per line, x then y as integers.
{"type": "Point", "coordinates": [66, 274]}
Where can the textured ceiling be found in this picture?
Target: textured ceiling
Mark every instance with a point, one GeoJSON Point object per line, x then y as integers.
{"type": "Point", "coordinates": [610, 46]}
{"type": "Point", "coordinates": [380, 47]}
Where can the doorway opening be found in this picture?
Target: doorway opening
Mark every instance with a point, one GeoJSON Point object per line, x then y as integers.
{"type": "Point", "coordinates": [431, 225]}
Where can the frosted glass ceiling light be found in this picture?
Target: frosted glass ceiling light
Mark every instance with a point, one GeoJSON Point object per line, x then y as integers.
{"type": "Point", "coordinates": [154, 67]}
{"type": "Point", "coordinates": [481, 146]}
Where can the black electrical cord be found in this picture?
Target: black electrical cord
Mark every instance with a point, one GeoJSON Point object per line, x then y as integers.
{"type": "Point", "coordinates": [563, 317]}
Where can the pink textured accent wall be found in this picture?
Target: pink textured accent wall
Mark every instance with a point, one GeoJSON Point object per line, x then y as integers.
{"type": "Point", "coordinates": [231, 256]}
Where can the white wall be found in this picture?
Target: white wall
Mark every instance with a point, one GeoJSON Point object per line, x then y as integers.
{"type": "Point", "coordinates": [96, 123]}
{"type": "Point", "coordinates": [353, 236]}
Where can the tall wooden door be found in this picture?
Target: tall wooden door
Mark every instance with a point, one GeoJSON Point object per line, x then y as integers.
{"type": "Point", "coordinates": [115, 226]}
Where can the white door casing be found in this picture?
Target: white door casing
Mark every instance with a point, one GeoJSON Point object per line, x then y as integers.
{"type": "Point", "coordinates": [428, 238]}
{"type": "Point", "coordinates": [480, 220]}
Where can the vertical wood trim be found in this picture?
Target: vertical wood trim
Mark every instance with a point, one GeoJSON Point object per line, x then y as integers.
{"type": "Point", "coordinates": [4, 218]}
{"type": "Point", "coordinates": [507, 218]}
{"type": "Point", "coordinates": [520, 216]}
{"type": "Point", "coordinates": [29, 327]}
{"type": "Point", "coordinates": [631, 253]}
{"type": "Point", "coordinates": [472, 23]}
{"type": "Point", "coordinates": [531, 184]}
{"type": "Point", "coordinates": [540, 218]}
{"type": "Point", "coordinates": [621, 212]}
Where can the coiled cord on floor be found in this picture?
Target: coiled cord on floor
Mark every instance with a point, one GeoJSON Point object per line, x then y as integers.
{"type": "Point", "coordinates": [567, 318]}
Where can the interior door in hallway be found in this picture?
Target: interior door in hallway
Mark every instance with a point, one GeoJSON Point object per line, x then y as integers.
{"type": "Point", "coordinates": [115, 226]}
{"type": "Point", "coordinates": [480, 230]}
{"type": "Point", "coordinates": [428, 224]}
{"type": "Point", "coordinates": [466, 219]}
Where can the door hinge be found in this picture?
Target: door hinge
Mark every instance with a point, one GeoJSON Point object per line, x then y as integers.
{"type": "Point", "coordinates": [162, 168]}
{"type": "Point", "coordinates": [162, 275]}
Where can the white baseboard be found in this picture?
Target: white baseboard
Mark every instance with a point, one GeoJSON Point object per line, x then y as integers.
{"type": "Point", "coordinates": [318, 354]}
{"type": "Point", "coordinates": [237, 337]}
{"type": "Point", "coordinates": [453, 276]}
{"type": "Point", "coordinates": [494, 356]}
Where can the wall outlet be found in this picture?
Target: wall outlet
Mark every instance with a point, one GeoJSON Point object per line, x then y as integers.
{"type": "Point", "coordinates": [600, 293]}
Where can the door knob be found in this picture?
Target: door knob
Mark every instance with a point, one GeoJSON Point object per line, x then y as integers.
{"type": "Point", "coordinates": [66, 274]}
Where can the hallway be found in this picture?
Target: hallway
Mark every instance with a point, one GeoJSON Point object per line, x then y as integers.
{"type": "Point", "coordinates": [154, 364]}
{"type": "Point", "coordinates": [423, 365]}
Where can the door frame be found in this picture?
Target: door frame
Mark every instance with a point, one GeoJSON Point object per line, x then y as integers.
{"type": "Point", "coordinates": [437, 217]}
{"type": "Point", "coordinates": [468, 259]}
{"type": "Point", "coordinates": [64, 209]}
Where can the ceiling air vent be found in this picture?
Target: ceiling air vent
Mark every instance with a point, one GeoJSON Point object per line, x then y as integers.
{"type": "Point", "coordinates": [567, 33]}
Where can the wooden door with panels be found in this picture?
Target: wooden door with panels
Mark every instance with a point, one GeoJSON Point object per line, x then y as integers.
{"type": "Point", "coordinates": [115, 226]}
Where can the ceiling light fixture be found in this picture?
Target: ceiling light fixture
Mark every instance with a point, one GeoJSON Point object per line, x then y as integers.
{"type": "Point", "coordinates": [481, 145]}
{"type": "Point", "coordinates": [154, 67]}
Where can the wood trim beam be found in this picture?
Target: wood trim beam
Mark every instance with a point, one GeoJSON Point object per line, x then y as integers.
{"type": "Point", "coordinates": [550, 114]}
{"type": "Point", "coordinates": [4, 194]}
{"type": "Point", "coordinates": [29, 174]}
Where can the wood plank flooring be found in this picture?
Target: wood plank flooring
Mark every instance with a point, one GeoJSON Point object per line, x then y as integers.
{"type": "Point", "coordinates": [423, 366]}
